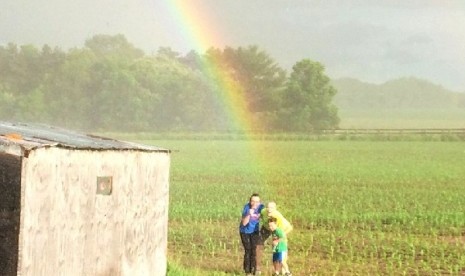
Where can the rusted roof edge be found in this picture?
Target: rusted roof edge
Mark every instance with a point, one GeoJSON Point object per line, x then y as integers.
{"type": "Point", "coordinates": [22, 150]}
{"type": "Point", "coordinates": [58, 145]}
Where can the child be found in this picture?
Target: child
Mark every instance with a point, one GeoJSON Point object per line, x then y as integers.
{"type": "Point", "coordinates": [265, 232]}
{"type": "Point", "coordinates": [279, 246]}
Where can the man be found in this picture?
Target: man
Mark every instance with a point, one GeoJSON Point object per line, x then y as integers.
{"type": "Point", "coordinates": [265, 232]}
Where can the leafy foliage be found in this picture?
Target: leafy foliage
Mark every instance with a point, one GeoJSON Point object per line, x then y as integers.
{"type": "Point", "coordinates": [111, 85]}
{"type": "Point", "coordinates": [307, 103]}
{"type": "Point", "coordinates": [254, 76]}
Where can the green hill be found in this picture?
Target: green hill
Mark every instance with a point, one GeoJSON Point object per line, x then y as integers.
{"type": "Point", "coordinates": [399, 103]}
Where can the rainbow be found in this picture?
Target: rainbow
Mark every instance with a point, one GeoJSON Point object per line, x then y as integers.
{"type": "Point", "coordinates": [201, 34]}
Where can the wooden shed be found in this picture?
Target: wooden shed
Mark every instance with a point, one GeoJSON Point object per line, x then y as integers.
{"type": "Point", "coordinates": [76, 204]}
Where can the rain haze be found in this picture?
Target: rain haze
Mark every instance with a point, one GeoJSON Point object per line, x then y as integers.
{"type": "Point", "coordinates": [373, 41]}
{"type": "Point", "coordinates": [349, 115]}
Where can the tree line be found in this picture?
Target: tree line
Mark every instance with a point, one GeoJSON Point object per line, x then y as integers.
{"type": "Point", "coordinates": [110, 85]}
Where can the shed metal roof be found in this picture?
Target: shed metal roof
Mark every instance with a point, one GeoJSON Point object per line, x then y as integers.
{"type": "Point", "coordinates": [30, 136]}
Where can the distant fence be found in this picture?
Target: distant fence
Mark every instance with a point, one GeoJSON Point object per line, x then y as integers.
{"type": "Point", "coordinates": [429, 134]}
{"type": "Point", "coordinates": [396, 131]}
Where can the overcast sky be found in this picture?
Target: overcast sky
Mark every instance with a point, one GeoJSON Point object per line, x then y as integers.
{"type": "Point", "coordinates": [371, 40]}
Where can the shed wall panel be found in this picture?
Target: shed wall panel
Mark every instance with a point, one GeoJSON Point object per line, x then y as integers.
{"type": "Point", "coordinates": [10, 195]}
{"type": "Point", "coordinates": [69, 229]}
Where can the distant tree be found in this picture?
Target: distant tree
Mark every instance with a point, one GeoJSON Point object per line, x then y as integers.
{"type": "Point", "coordinates": [52, 59]}
{"type": "Point", "coordinates": [20, 67]}
{"type": "Point", "coordinates": [254, 76]}
{"type": "Point", "coordinates": [25, 70]}
{"type": "Point", "coordinates": [307, 99]}
{"type": "Point", "coordinates": [8, 81]}
{"type": "Point", "coordinates": [116, 46]}
{"type": "Point", "coordinates": [167, 52]}
{"type": "Point", "coordinates": [192, 59]}
{"type": "Point", "coordinates": [179, 96]}
{"type": "Point", "coordinates": [111, 85]}
{"type": "Point", "coordinates": [8, 104]}
{"type": "Point", "coordinates": [69, 91]}
{"type": "Point", "coordinates": [33, 107]}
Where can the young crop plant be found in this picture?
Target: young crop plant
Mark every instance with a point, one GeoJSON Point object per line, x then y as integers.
{"type": "Point", "coordinates": [357, 207]}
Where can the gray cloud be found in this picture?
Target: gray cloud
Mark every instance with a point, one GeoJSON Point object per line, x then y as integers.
{"type": "Point", "coordinates": [370, 40]}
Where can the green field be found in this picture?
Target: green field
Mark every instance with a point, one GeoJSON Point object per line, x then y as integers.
{"type": "Point", "coordinates": [358, 207]}
{"type": "Point", "coordinates": [402, 118]}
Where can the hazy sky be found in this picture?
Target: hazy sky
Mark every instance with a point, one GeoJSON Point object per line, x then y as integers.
{"type": "Point", "coordinates": [372, 40]}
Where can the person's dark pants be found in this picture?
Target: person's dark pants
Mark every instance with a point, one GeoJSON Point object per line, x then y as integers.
{"type": "Point", "coordinates": [263, 236]}
{"type": "Point", "coordinates": [250, 241]}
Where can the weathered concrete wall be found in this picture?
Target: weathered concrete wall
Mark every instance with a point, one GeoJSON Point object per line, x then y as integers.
{"type": "Point", "coordinates": [69, 229]}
